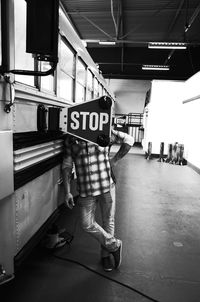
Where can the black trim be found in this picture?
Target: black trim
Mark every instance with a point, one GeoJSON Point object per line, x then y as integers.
{"type": "Point", "coordinates": [4, 37]}
{"type": "Point", "coordinates": [34, 73]}
{"type": "Point", "coordinates": [24, 176]}
{"type": "Point", "coordinates": [26, 139]}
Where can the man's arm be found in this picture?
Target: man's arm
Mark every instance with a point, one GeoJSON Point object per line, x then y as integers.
{"type": "Point", "coordinates": [123, 150]}
{"type": "Point", "coordinates": [67, 166]}
{"type": "Point", "coordinates": [66, 174]}
{"type": "Point", "coordinates": [126, 141]}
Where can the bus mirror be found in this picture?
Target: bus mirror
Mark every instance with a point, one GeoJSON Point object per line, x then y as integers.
{"type": "Point", "coordinates": [41, 34]}
{"type": "Point", "coordinates": [42, 29]}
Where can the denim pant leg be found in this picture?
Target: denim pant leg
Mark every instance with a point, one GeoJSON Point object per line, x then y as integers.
{"type": "Point", "coordinates": [87, 207]}
{"type": "Point", "coordinates": [107, 205]}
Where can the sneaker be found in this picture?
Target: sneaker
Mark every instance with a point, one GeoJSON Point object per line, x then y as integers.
{"type": "Point", "coordinates": [118, 255]}
{"type": "Point", "coordinates": [107, 264]}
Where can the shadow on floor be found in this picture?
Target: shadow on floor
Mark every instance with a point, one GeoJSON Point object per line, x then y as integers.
{"type": "Point", "coordinates": [157, 217]}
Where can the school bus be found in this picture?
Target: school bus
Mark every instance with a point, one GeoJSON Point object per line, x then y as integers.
{"type": "Point", "coordinates": [44, 68]}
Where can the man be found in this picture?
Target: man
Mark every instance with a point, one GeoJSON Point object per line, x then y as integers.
{"type": "Point", "coordinates": [95, 185]}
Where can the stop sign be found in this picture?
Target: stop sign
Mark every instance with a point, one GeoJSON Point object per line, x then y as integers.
{"type": "Point", "coordinates": [91, 121]}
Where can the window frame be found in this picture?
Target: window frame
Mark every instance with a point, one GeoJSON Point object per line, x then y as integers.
{"type": "Point", "coordinates": [78, 82]}
{"type": "Point", "coordinates": [60, 69]}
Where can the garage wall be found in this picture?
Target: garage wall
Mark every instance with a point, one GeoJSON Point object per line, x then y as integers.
{"type": "Point", "coordinates": [163, 115]}
{"type": "Point", "coordinates": [173, 116]}
{"type": "Point", "coordinates": [191, 119]}
{"type": "Point", "coordinates": [130, 95]}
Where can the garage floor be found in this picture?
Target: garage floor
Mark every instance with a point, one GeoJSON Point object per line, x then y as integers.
{"type": "Point", "coordinates": [158, 219]}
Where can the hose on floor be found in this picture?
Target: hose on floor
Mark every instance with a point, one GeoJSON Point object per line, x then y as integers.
{"type": "Point", "coordinates": [69, 241]}
{"type": "Point", "coordinates": [107, 277]}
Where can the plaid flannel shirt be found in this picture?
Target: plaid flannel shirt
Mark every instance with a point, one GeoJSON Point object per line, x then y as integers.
{"type": "Point", "coordinates": [92, 164]}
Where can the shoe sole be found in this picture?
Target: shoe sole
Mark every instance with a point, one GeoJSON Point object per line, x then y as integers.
{"type": "Point", "coordinates": [116, 267]}
{"type": "Point", "coordinates": [108, 269]}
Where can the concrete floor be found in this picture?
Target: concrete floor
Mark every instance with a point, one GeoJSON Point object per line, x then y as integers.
{"type": "Point", "coordinates": [158, 219]}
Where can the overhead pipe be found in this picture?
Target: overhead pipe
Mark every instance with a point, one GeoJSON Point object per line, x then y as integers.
{"type": "Point", "coordinates": [195, 14]}
{"type": "Point", "coordinates": [113, 17]}
{"type": "Point", "coordinates": [187, 27]}
{"type": "Point", "coordinates": [175, 17]}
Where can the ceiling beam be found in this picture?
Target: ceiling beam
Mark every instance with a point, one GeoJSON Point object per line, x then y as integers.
{"type": "Point", "coordinates": [95, 25]}
{"type": "Point", "coordinates": [139, 43]}
{"type": "Point", "coordinates": [130, 11]}
{"type": "Point", "coordinates": [120, 30]}
{"type": "Point", "coordinates": [153, 15]}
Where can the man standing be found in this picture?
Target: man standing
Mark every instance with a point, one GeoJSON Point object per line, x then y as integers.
{"type": "Point", "coordinates": [95, 184]}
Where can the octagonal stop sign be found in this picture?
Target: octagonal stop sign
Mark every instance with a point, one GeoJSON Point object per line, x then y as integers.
{"type": "Point", "coordinates": [91, 121]}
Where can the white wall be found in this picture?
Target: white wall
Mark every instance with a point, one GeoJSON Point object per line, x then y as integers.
{"type": "Point", "coordinates": [173, 112]}
{"type": "Point", "coordinates": [173, 116]}
{"type": "Point", "coordinates": [130, 95]}
{"type": "Point", "coordinates": [163, 123]}
{"type": "Point", "coordinates": [191, 119]}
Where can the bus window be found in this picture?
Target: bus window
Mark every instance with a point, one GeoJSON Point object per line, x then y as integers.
{"type": "Point", "coordinates": [100, 90]}
{"type": "Point", "coordinates": [89, 85]}
{"type": "Point", "coordinates": [23, 60]}
{"type": "Point", "coordinates": [47, 82]}
{"type": "Point", "coordinates": [80, 93]}
{"type": "Point", "coordinates": [80, 81]}
{"type": "Point", "coordinates": [66, 74]}
{"type": "Point", "coordinates": [96, 88]}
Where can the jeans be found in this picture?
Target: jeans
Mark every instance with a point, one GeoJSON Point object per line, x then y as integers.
{"type": "Point", "coordinates": [105, 233]}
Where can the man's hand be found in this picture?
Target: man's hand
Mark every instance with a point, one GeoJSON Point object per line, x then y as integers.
{"type": "Point", "coordinates": [69, 201]}
{"type": "Point", "coordinates": [113, 163]}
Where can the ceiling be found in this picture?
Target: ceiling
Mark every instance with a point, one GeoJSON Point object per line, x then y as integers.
{"type": "Point", "coordinates": [132, 24]}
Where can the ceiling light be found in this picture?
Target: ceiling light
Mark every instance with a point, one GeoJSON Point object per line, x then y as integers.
{"type": "Point", "coordinates": [155, 67]}
{"type": "Point", "coordinates": [107, 42]}
{"type": "Point", "coordinates": [91, 40]}
{"type": "Point", "coordinates": [167, 45]}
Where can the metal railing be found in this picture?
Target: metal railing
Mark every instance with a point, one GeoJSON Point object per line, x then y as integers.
{"type": "Point", "coordinates": [130, 120]}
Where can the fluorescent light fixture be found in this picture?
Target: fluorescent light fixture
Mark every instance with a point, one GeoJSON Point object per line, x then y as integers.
{"type": "Point", "coordinates": [155, 67]}
{"type": "Point", "coordinates": [91, 40]}
{"type": "Point", "coordinates": [167, 45]}
{"type": "Point", "coordinates": [107, 42]}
